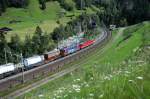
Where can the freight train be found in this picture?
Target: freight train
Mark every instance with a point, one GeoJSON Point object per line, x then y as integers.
{"type": "Point", "coordinates": [32, 62]}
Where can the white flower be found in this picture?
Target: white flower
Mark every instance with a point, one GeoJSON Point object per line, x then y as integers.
{"type": "Point", "coordinates": [127, 72]}
{"type": "Point", "coordinates": [71, 73]}
{"type": "Point", "coordinates": [41, 95]}
{"type": "Point", "coordinates": [131, 81]}
{"type": "Point", "coordinates": [110, 76]}
{"type": "Point", "coordinates": [140, 78]}
{"type": "Point", "coordinates": [134, 50]}
{"type": "Point", "coordinates": [70, 91]}
{"type": "Point", "coordinates": [119, 72]}
{"type": "Point", "coordinates": [106, 78]}
{"type": "Point", "coordinates": [77, 79]}
{"type": "Point", "coordinates": [62, 88]}
{"type": "Point", "coordinates": [148, 47]}
{"type": "Point", "coordinates": [87, 85]}
{"type": "Point", "coordinates": [55, 94]}
{"type": "Point", "coordinates": [60, 91]}
{"type": "Point", "coordinates": [91, 78]}
{"type": "Point", "coordinates": [101, 96]}
{"type": "Point", "coordinates": [58, 96]}
{"type": "Point", "coordinates": [65, 95]}
{"type": "Point", "coordinates": [91, 94]}
{"type": "Point", "coordinates": [77, 90]}
{"type": "Point", "coordinates": [123, 62]}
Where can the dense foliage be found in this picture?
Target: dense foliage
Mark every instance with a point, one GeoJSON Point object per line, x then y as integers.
{"type": "Point", "coordinates": [38, 44]}
{"type": "Point", "coordinates": [84, 23]}
{"type": "Point", "coordinates": [65, 5]}
{"type": "Point", "coordinates": [12, 3]}
{"type": "Point", "coordinates": [120, 12]}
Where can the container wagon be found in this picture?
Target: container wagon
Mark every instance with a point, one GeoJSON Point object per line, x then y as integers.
{"type": "Point", "coordinates": [69, 49]}
{"type": "Point", "coordinates": [6, 70]}
{"type": "Point", "coordinates": [86, 44]}
{"type": "Point", "coordinates": [52, 55]}
{"type": "Point", "coordinates": [33, 61]}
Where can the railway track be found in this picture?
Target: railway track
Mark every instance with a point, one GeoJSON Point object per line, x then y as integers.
{"type": "Point", "coordinates": [103, 38]}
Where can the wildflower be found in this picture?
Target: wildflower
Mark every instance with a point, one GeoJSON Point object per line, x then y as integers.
{"type": "Point", "coordinates": [119, 72]}
{"type": "Point", "coordinates": [134, 50]}
{"type": "Point", "coordinates": [110, 76]}
{"type": "Point", "coordinates": [131, 81]}
{"type": "Point", "coordinates": [129, 61]}
{"type": "Point", "coordinates": [60, 91]}
{"type": "Point", "coordinates": [41, 95]}
{"type": "Point", "coordinates": [126, 72]}
{"type": "Point", "coordinates": [55, 94]}
{"type": "Point", "coordinates": [77, 79]}
{"type": "Point", "coordinates": [106, 78]}
{"type": "Point", "coordinates": [91, 94]}
{"type": "Point", "coordinates": [123, 62]}
{"type": "Point", "coordinates": [101, 96]}
{"type": "Point", "coordinates": [140, 78]}
{"type": "Point", "coordinates": [87, 85]}
{"type": "Point", "coordinates": [58, 96]}
{"type": "Point", "coordinates": [63, 88]}
{"type": "Point", "coordinates": [126, 75]}
{"type": "Point", "coordinates": [91, 78]}
{"type": "Point", "coordinates": [65, 95]}
{"type": "Point", "coordinates": [148, 47]}
{"type": "Point", "coordinates": [77, 90]}
{"type": "Point", "coordinates": [71, 73]}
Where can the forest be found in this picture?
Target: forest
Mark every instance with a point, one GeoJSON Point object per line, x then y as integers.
{"type": "Point", "coordinates": [121, 12]}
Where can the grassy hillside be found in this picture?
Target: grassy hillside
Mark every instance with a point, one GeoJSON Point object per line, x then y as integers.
{"type": "Point", "coordinates": [24, 21]}
{"type": "Point", "coordinates": [30, 17]}
{"type": "Point", "coordinates": [118, 71]}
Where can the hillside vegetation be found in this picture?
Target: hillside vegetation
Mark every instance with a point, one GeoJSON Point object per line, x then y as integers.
{"type": "Point", "coordinates": [38, 25]}
{"type": "Point", "coordinates": [24, 21]}
{"type": "Point", "coordinates": [118, 71]}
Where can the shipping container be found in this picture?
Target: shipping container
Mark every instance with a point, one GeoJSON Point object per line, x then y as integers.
{"type": "Point", "coordinates": [70, 49]}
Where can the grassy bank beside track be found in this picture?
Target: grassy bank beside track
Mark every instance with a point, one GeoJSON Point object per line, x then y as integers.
{"type": "Point", "coordinates": [119, 71]}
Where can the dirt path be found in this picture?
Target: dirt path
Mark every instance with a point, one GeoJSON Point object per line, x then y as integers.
{"type": "Point", "coordinates": [109, 45]}
{"type": "Point", "coordinates": [120, 32]}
